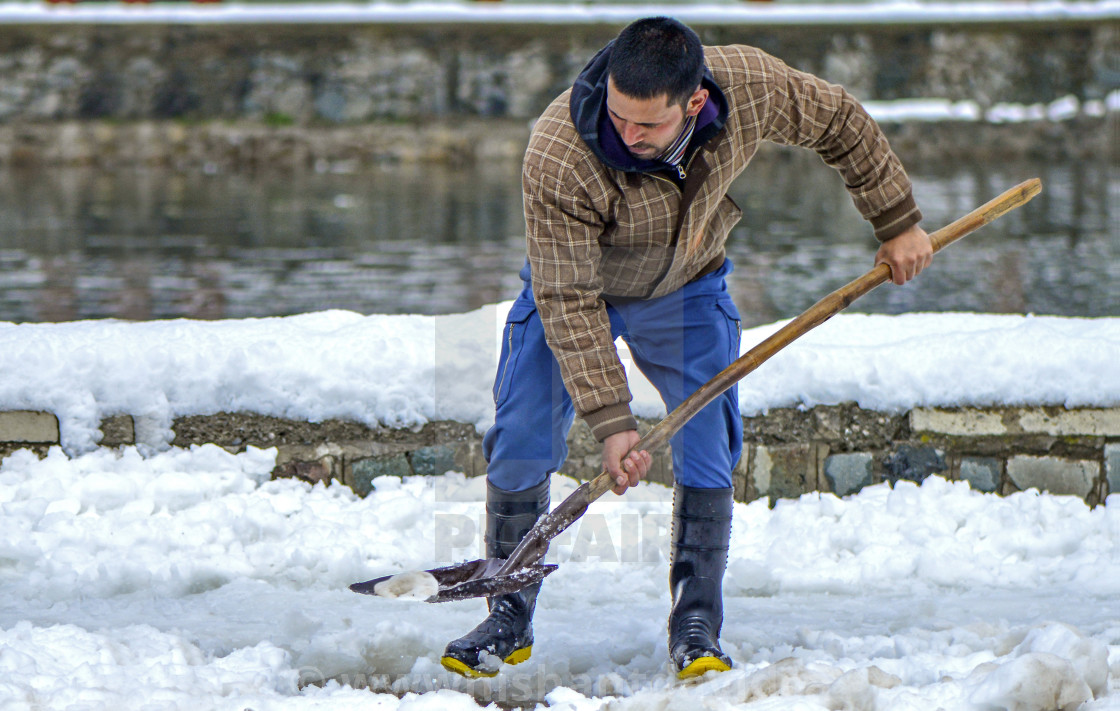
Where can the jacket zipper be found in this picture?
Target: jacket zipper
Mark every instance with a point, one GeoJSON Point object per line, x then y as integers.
{"type": "Point", "coordinates": [682, 172]}
{"type": "Point", "coordinates": [505, 366]}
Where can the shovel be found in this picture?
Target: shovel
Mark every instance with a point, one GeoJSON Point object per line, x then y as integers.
{"type": "Point", "coordinates": [495, 576]}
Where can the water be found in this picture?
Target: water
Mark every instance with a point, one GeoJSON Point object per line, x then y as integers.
{"type": "Point", "coordinates": [76, 243]}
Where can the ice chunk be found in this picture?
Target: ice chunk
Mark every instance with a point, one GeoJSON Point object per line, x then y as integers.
{"type": "Point", "coordinates": [419, 585]}
{"type": "Point", "coordinates": [1037, 680]}
{"type": "Point", "coordinates": [1089, 657]}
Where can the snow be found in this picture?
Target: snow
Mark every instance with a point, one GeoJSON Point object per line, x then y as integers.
{"type": "Point", "coordinates": [413, 585]}
{"type": "Point", "coordinates": [1063, 109]}
{"type": "Point", "coordinates": [161, 577]}
{"type": "Point", "coordinates": [515, 12]}
{"type": "Point", "coordinates": [403, 371]}
{"type": "Point", "coordinates": [188, 580]}
{"type": "Point", "coordinates": [157, 577]}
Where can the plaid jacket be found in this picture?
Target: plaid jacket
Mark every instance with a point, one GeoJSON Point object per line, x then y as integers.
{"type": "Point", "coordinates": [595, 231]}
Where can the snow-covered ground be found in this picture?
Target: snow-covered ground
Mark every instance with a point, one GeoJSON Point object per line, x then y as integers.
{"type": "Point", "coordinates": [161, 578]}
{"type": "Point", "coordinates": [154, 577]}
{"type": "Point", "coordinates": [187, 580]}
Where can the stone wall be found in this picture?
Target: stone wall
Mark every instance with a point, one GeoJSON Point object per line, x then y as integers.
{"type": "Point", "coordinates": [252, 94]}
{"type": "Point", "coordinates": [342, 74]}
{"type": "Point", "coordinates": [786, 453]}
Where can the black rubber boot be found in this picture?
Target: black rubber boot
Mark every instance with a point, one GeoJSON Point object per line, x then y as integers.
{"type": "Point", "coordinates": [701, 536]}
{"type": "Point", "coordinates": [507, 634]}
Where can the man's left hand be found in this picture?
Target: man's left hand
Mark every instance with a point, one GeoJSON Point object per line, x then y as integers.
{"type": "Point", "coordinates": [627, 468]}
{"type": "Point", "coordinates": [907, 254]}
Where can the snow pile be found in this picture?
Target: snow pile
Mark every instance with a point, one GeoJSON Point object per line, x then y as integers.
{"type": "Point", "coordinates": [406, 370]}
{"type": "Point", "coordinates": [189, 580]}
{"type": "Point", "coordinates": [894, 363]}
{"type": "Point", "coordinates": [67, 667]}
{"type": "Point", "coordinates": [336, 364]}
{"type": "Point", "coordinates": [941, 534]}
{"type": "Point", "coordinates": [930, 109]}
{"type": "Point", "coordinates": [1054, 667]}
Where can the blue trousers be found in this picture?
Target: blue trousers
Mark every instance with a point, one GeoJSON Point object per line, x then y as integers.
{"type": "Point", "coordinates": [678, 341]}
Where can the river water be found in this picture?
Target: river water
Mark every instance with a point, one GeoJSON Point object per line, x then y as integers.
{"type": "Point", "coordinates": [77, 243]}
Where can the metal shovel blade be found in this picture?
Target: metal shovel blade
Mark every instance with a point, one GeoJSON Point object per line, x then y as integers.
{"type": "Point", "coordinates": [498, 576]}
{"type": "Point", "coordinates": [475, 578]}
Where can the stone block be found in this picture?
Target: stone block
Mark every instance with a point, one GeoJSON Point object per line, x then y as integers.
{"type": "Point", "coordinates": [312, 463]}
{"type": "Point", "coordinates": [1074, 477]}
{"type": "Point", "coordinates": [28, 426]}
{"type": "Point", "coordinates": [1112, 467]}
{"type": "Point", "coordinates": [759, 472]}
{"type": "Point", "coordinates": [315, 472]}
{"type": "Point", "coordinates": [582, 468]}
{"type": "Point", "coordinates": [1000, 447]}
{"type": "Point", "coordinates": [362, 472]}
{"type": "Point", "coordinates": [740, 477]}
{"type": "Point", "coordinates": [469, 459]}
{"type": "Point", "coordinates": [981, 473]}
{"type": "Point", "coordinates": [1093, 422]}
{"type": "Point", "coordinates": [786, 471]}
{"type": "Point", "coordinates": [967, 422]}
{"type": "Point", "coordinates": [118, 430]}
{"type": "Point", "coordinates": [848, 473]}
{"type": "Point", "coordinates": [584, 453]}
{"type": "Point", "coordinates": [433, 461]}
{"type": "Point", "coordinates": [660, 471]}
{"type": "Point", "coordinates": [913, 463]}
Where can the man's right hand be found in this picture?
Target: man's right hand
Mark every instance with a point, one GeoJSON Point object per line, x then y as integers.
{"type": "Point", "coordinates": [907, 254]}
{"type": "Point", "coordinates": [626, 470]}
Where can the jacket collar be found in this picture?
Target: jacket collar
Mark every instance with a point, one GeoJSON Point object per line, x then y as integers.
{"type": "Point", "coordinates": [588, 106]}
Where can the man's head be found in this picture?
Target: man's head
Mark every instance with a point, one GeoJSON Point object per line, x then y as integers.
{"type": "Point", "coordinates": [654, 75]}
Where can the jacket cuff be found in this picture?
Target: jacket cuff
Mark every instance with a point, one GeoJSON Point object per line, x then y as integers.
{"type": "Point", "coordinates": [895, 220]}
{"type": "Point", "coordinates": [609, 420]}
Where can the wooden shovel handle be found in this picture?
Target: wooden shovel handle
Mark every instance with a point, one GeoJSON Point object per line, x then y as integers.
{"type": "Point", "coordinates": [814, 316]}
{"type": "Point", "coordinates": [534, 546]}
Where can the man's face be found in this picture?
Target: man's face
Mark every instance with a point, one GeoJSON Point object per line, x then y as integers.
{"type": "Point", "coordinates": [648, 126]}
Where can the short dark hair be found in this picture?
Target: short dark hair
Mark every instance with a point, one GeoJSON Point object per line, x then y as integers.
{"type": "Point", "coordinates": [657, 56]}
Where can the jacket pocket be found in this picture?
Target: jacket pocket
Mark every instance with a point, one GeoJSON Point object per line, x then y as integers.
{"type": "Point", "coordinates": [731, 208]}
{"type": "Point", "coordinates": [512, 339]}
{"type": "Point", "coordinates": [727, 214]}
{"type": "Point", "coordinates": [734, 327]}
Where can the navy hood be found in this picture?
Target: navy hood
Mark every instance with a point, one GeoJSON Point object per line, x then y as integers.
{"type": "Point", "coordinates": [588, 106]}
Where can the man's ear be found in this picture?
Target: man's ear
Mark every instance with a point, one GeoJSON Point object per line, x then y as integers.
{"type": "Point", "coordinates": [696, 102]}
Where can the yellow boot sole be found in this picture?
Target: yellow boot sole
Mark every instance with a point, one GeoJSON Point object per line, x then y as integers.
{"type": "Point", "coordinates": [515, 657]}
{"type": "Point", "coordinates": [702, 666]}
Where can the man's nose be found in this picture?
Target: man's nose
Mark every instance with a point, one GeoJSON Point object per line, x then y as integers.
{"type": "Point", "coordinates": [632, 134]}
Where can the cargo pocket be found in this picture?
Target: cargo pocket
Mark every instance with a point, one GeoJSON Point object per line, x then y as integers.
{"type": "Point", "coordinates": [734, 327]}
{"type": "Point", "coordinates": [512, 339]}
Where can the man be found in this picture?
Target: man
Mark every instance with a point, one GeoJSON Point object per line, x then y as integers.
{"type": "Point", "coordinates": [625, 186]}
